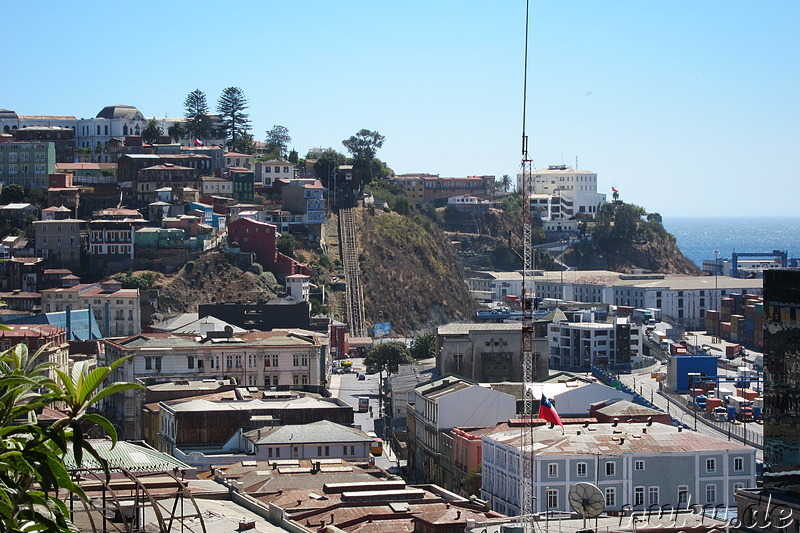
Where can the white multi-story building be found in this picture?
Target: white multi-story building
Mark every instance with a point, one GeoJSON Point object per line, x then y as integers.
{"type": "Point", "coordinates": [258, 358]}
{"type": "Point", "coordinates": [495, 286]}
{"type": "Point", "coordinates": [441, 405]}
{"type": "Point", "coordinates": [568, 192]}
{"type": "Point", "coordinates": [641, 465]}
{"type": "Point", "coordinates": [682, 299]}
{"type": "Point", "coordinates": [116, 309]}
{"type": "Point", "coordinates": [582, 345]}
{"type": "Point", "coordinates": [274, 169]}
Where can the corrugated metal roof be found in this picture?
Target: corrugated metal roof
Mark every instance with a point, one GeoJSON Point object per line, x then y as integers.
{"type": "Point", "coordinates": [126, 455]}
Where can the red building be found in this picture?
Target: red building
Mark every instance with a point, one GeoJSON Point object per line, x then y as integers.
{"type": "Point", "coordinates": [261, 239]}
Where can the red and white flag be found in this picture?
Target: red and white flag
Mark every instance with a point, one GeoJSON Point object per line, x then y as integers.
{"type": "Point", "coordinates": [614, 189]}
{"type": "Point", "coordinates": [548, 412]}
{"type": "Point", "coordinates": [198, 142]}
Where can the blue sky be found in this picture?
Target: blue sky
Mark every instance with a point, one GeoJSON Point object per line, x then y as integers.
{"type": "Point", "coordinates": [687, 107]}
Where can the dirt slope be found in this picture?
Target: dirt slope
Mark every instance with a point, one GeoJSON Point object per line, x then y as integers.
{"type": "Point", "coordinates": [213, 277]}
{"type": "Point", "coordinates": [411, 275]}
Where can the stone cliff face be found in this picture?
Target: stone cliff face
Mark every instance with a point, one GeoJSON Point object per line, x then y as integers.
{"type": "Point", "coordinates": [410, 273]}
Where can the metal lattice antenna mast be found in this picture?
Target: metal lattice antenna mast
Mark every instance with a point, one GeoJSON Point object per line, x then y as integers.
{"type": "Point", "coordinates": [528, 297]}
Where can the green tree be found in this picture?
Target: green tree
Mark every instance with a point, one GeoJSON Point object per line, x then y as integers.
{"type": "Point", "coordinates": [402, 205]}
{"type": "Point", "coordinates": [287, 244]}
{"type": "Point", "coordinates": [278, 139]}
{"type": "Point", "coordinates": [245, 144]}
{"type": "Point", "coordinates": [424, 346]}
{"type": "Point", "coordinates": [387, 356]}
{"type": "Point", "coordinates": [293, 158]}
{"type": "Point", "coordinates": [363, 146]}
{"type": "Point", "coordinates": [505, 182]}
{"type": "Point", "coordinates": [176, 132]}
{"type": "Point", "coordinates": [326, 166]}
{"type": "Point", "coordinates": [231, 106]}
{"type": "Point", "coordinates": [198, 123]}
{"type": "Point", "coordinates": [12, 194]}
{"type": "Point", "coordinates": [32, 470]}
{"type": "Point", "coordinates": [151, 131]}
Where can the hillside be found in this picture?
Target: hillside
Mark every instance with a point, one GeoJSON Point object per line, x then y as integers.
{"type": "Point", "coordinates": [625, 237]}
{"type": "Point", "coordinates": [213, 277]}
{"type": "Point", "coordinates": [411, 275]}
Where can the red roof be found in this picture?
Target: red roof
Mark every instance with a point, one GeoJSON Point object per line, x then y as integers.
{"type": "Point", "coordinates": [30, 331]}
{"type": "Point", "coordinates": [236, 154]}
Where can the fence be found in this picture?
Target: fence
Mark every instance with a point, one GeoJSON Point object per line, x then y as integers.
{"type": "Point", "coordinates": [734, 431]}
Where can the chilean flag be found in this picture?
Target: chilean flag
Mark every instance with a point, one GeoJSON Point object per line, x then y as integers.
{"type": "Point", "coordinates": [614, 189]}
{"type": "Point", "coordinates": [198, 142]}
{"type": "Point", "coordinates": [548, 412]}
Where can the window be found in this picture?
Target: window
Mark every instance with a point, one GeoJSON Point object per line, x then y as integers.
{"type": "Point", "coordinates": [552, 470]}
{"type": "Point", "coordinates": [611, 497]}
{"type": "Point", "coordinates": [275, 360]}
{"type": "Point", "coordinates": [295, 380]}
{"type": "Point", "coordinates": [190, 361]}
{"type": "Point", "coordinates": [738, 486]}
{"type": "Point", "coordinates": [610, 468]}
{"type": "Point", "coordinates": [711, 493]}
{"type": "Point", "coordinates": [738, 464]}
{"type": "Point", "coordinates": [711, 465]}
{"type": "Point", "coordinates": [683, 494]}
{"type": "Point", "coordinates": [148, 363]}
{"type": "Point", "coordinates": [652, 496]}
{"type": "Point", "coordinates": [581, 469]}
{"type": "Point", "coordinates": [228, 361]}
{"type": "Point", "coordinates": [552, 499]}
{"type": "Point", "coordinates": [638, 465]}
{"type": "Point", "coordinates": [638, 496]}
{"type": "Point", "coordinates": [158, 363]}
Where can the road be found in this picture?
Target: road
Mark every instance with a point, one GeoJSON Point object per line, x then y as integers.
{"type": "Point", "coordinates": [348, 388]}
{"type": "Point", "coordinates": [641, 382]}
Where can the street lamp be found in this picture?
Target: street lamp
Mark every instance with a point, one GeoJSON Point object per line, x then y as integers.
{"type": "Point", "coordinates": [716, 292]}
{"type": "Point", "coordinates": [692, 376]}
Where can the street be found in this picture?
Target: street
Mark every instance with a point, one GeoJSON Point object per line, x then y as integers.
{"type": "Point", "coordinates": [348, 388]}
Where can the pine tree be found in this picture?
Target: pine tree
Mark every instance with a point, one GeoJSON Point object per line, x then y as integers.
{"type": "Point", "coordinates": [198, 125]}
{"type": "Point", "coordinates": [232, 105]}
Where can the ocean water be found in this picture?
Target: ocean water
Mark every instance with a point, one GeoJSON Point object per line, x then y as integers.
{"type": "Point", "coordinates": [698, 237]}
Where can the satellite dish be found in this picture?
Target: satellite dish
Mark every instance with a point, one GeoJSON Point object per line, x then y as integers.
{"type": "Point", "coordinates": [586, 500]}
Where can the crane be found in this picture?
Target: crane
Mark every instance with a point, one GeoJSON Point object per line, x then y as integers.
{"type": "Point", "coordinates": [528, 305]}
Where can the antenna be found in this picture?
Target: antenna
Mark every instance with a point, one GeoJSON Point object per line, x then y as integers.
{"type": "Point", "coordinates": [586, 500]}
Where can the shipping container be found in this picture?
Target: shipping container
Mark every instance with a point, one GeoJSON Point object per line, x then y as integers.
{"type": "Point", "coordinates": [713, 403]}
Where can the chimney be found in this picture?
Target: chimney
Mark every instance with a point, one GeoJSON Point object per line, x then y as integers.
{"type": "Point", "coordinates": [458, 515]}
{"type": "Point", "coordinates": [616, 422]}
{"type": "Point", "coordinates": [680, 429]}
{"type": "Point", "coordinates": [644, 430]}
{"type": "Point", "coordinates": [586, 423]}
{"type": "Point", "coordinates": [621, 440]}
{"type": "Point", "coordinates": [649, 420]}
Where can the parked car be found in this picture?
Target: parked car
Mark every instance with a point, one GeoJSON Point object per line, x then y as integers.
{"type": "Point", "coordinates": [362, 377]}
